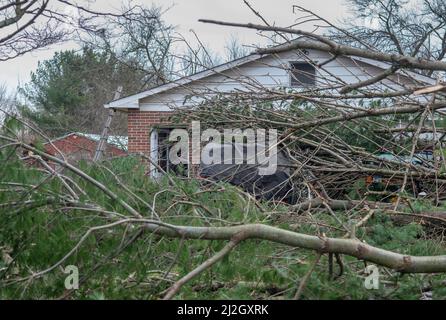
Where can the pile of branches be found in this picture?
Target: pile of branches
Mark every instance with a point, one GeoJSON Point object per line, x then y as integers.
{"type": "Point", "coordinates": [337, 133]}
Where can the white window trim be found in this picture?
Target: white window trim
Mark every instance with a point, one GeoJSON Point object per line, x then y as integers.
{"type": "Point", "coordinates": [154, 172]}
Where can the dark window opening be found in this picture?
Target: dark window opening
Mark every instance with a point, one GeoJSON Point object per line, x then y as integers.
{"type": "Point", "coordinates": [302, 74]}
{"type": "Point", "coordinates": [164, 147]}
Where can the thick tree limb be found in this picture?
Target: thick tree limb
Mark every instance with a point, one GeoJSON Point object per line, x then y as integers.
{"type": "Point", "coordinates": [327, 45]}
{"type": "Point", "coordinates": [351, 247]}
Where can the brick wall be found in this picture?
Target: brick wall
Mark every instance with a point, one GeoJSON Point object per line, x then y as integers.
{"type": "Point", "coordinates": [76, 147]}
{"type": "Point", "coordinates": [139, 127]}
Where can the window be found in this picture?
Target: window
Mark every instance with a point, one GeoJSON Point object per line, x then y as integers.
{"type": "Point", "coordinates": [159, 154]}
{"type": "Point", "coordinates": [163, 149]}
{"type": "Point", "coordinates": [302, 74]}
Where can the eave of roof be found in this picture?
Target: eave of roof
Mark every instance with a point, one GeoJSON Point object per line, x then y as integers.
{"type": "Point", "coordinates": [131, 102]}
{"type": "Point", "coordinates": [385, 65]}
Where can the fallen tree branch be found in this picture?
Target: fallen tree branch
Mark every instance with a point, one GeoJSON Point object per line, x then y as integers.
{"type": "Point", "coordinates": [81, 174]}
{"type": "Point", "coordinates": [327, 45]}
{"type": "Point", "coordinates": [204, 266]}
{"type": "Point", "coordinates": [236, 234]}
{"type": "Point", "coordinates": [341, 204]}
{"type": "Point", "coordinates": [381, 76]}
{"type": "Point", "coordinates": [433, 217]}
{"type": "Point", "coordinates": [351, 247]}
{"type": "Point", "coordinates": [364, 114]}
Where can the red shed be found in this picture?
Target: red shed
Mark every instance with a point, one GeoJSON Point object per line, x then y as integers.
{"type": "Point", "coordinates": [80, 146]}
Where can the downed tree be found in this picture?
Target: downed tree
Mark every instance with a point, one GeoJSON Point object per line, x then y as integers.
{"type": "Point", "coordinates": [348, 166]}
{"type": "Point", "coordinates": [237, 234]}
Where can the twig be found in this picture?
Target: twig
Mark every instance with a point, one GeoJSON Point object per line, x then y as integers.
{"type": "Point", "coordinates": [307, 276]}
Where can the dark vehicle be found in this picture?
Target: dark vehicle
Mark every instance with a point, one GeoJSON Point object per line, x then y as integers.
{"type": "Point", "coordinates": [276, 186]}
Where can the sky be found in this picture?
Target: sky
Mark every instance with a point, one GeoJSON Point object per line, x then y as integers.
{"type": "Point", "coordinates": [184, 14]}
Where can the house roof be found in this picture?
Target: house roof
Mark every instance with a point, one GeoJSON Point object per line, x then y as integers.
{"type": "Point", "coordinates": [129, 101]}
{"type": "Point", "coordinates": [120, 142]}
{"type": "Point", "coordinates": [385, 65]}
{"type": "Point", "coordinates": [132, 101]}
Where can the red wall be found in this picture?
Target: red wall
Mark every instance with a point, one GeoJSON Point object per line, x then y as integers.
{"type": "Point", "coordinates": [78, 147]}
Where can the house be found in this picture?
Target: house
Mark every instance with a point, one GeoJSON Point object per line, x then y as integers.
{"type": "Point", "coordinates": [81, 146]}
{"type": "Point", "coordinates": [149, 111]}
